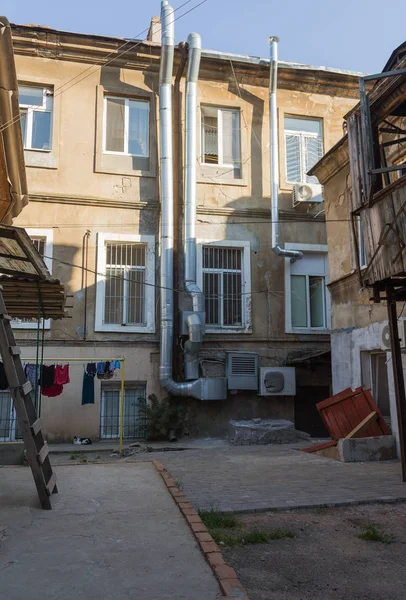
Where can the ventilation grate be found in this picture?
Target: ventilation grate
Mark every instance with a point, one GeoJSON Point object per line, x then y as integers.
{"type": "Point", "coordinates": [242, 370]}
{"type": "Point", "coordinates": [244, 365]}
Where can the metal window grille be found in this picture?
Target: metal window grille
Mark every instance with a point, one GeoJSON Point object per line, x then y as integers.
{"type": "Point", "coordinates": [9, 428]}
{"type": "Point", "coordinates": [223, 285]}
{"type": "Point", "coordinates": [303, 149]}
{"type": "Point", "coordinates": [39, 243]}
{"type": "Point", "coordinates": [134, 421]}
{"type": "Point", "coordinates": [124, 301]}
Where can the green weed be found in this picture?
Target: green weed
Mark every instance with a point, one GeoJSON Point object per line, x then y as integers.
{"type": "Point", "coordinates": [372, 533]}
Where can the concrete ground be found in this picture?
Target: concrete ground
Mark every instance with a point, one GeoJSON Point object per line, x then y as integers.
{"type": "Point", "coordinates": [326, 560]}
{"type": "Point", "coordinates": [114, 532]}
{"type": "Point", "coordinates": [277, 477]}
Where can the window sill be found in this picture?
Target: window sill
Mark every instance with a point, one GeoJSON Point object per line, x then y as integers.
{"type": "Point", "coordinates": [125, 328]}
{"type": "Point", "coordinates": [228, 330]}
{"type": "Point", "coordinates": [215, 174]}
{"type": "Point", "coordinates": [42, 159]}
{"type": "Point", "coordinates": [307, 331]}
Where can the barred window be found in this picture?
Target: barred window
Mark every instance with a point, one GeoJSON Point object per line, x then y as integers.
{"type": "Point", "coordinates": [303, 148]}
{"type": "Point", "coordinates": [134, 411]}
{"type": "Point", "coordinates": [124, 299]}
{"type": "Point", "coordinates": [223, 285]}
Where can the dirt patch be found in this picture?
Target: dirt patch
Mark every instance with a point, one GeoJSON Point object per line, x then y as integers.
{"type": "Point", "coordinates": [326, 560]}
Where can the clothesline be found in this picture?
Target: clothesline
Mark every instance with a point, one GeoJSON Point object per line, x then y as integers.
{"type": "Point", "coordinates": [94, 360]}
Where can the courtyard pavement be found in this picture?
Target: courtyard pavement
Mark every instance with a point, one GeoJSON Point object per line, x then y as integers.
{"type": "Point", "coordinates": [276, 477]}
{"type": "Point", "coordinates": [114, 532]}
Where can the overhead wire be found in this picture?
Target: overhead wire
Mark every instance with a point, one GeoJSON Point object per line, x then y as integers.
{"type": "Point", "coordinates": [104, 64]}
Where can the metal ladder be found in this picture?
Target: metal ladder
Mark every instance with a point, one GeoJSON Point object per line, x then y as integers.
{"type": "Point", "coordinates": [30, 425]}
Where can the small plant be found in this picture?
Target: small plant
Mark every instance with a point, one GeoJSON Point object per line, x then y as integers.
{"type": "Point", "coordinates": [161, 416]}
{"type": "Point", "coordinates": [321, 510]}
{"type": "Point", "coordinates": [74, 457]}
{"type": "Point", "coordinates": [250, 537]}
{"type": "Point", "coordinates": [83, 460]}
{"type": "Point", "coordinates": [372, 533]}
{"type": "Point", "coordinates": [218, 520]}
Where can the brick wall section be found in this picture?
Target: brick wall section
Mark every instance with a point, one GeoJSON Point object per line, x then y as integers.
{"type": "Point", "coordinates": [229, 583]}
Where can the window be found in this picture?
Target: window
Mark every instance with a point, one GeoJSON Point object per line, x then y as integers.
{"type": "Point", "coordinates": [225, 281]}
{"type": "Point", "coordinates": [221, 137]}
{"type": "Point", "coordinates": [303, 148]}
{"type": "Point", "coordinates": [126, 126]}
{"type": "Point", "coordinates": [361, 245]}
{"type": "Point", "coordinates": [36, 104]}
{"type": "Point", "coordinates": [125, 289]}
{"type": "Point", "coordinates": [307, 306]}
{"type": "Point", "coordinates": [43, 243]}
{"type": "Point", "coordinates": [134, 415]}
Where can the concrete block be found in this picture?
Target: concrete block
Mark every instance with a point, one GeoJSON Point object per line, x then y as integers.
{"type": "Point", "coordinates": [367, 449]}
{"type": "Point", "coordinates": [11, 453]}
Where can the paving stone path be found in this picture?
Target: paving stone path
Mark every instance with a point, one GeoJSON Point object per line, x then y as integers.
{"type": "Point", "coordinates": [252, 478]}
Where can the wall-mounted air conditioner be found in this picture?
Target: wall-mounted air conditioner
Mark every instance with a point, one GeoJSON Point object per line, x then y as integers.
{"type": "Point", "coordinates": [306, 194]}
{"type": "Point", "coordinates": [242, 370]}
{"type": "Point", "coordinates": [277, 381]}
{"type": "Point", "coordinates": [385, 334]}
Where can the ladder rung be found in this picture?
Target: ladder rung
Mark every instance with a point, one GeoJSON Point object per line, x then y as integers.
{"type": "Point", "coordinates": [51, 484]}
{"type": "Point", "coordinates": [36, 427]}
{"type": "Point", "coordinates": [26, 388]}
{"type": "Point", "coordinates": [43, 453]}
{"type": "Point", "coordinates": [15, 350]}
{"type": "Point", "coordinates": [5, 317]}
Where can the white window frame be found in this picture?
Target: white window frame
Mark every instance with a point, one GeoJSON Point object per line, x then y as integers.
{"type": "Point", "coordinates": [149, 241]}
{"type": "Point", "coordinates": [128, 385]}
{"type": "Point", "coordinates": [47, 107]}
{"type": "Point", "coordinates": [220, 110]}
{"type": "Point", "coordinates": [246, 326]}
{"type": "Point", "coordinates": [48, 234]}
{"type": "Point", "coordinates": [126, 125]}
{"type": "Point", "coordinates": [306, 249]}
{"type": "Point", "coordinates": [301, 135]}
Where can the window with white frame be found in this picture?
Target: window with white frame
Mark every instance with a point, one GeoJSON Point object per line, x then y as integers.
{"type": "Point", "coordinates": [307, 302]}
{"type": "Point", "coordinates": [221, 137]}
{"type": "Point", "coordinates": [125, 288]}
{"type": "Point", "coordinates": [42, 240]}
{"type": "Point", "coordinates": [226, 284]}
{"type": "Point", "coordinates": [36, 107]}
{"type": "Point", "coordinates": [303, 148]}
{"type": "Point", "coordinates": [126, 126]}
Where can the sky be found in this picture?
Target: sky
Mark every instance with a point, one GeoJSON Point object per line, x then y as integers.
{"type": "Point", "coordinates": [358, 35]}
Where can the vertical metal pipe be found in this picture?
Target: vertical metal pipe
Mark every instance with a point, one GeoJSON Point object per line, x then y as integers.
{"type": "Point", "coordinates": [274, 143]}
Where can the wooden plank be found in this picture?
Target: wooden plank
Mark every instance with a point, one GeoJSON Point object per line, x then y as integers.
{"type": "Point", "coordinates": [43, 453]}
{"type": "Point", "coordinates": [51, 484]}
{"type": "Point", "coordinates": [361, 426]}
{"type": "Point", "coordinates": [36, 427]}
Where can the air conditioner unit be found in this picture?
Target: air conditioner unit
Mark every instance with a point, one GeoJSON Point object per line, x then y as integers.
{"type": "Point", "coordinates": [277, 381]}
{"type": "Point", "coordinates": [385, 334]}
{"type": "Point", "coordinates": [242, 370]}
{"type": "Point", "coordinates": [306, 194]}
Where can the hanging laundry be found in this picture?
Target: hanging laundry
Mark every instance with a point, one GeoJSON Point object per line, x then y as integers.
{"type": "Point", "coordinates": [52, 390]}
{"type": "Point", "coordinates": [47, 377]}
{"type": "Point", "coordinates": [112, 365]}
{"type": "Point", "coordinates": [62, 374]}
{"type": "Point", "coordinates": [91, 369]}
{"type": "Point", "coordinates": [100, 368]}
{"type": "Point", "coordinates": [3, 378]}
{"type": "Point", "coordinates": [106, 373]}
{"type": "Point", "coordinates": [117, 364]}
{"type": "Point", "coordinates": [32, 374]}
{"type": "Point", "coordinates": [88, 389]}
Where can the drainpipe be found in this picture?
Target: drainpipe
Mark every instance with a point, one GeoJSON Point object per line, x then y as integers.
{"type": "Point", "coordinates": [273, 133]}
{"type": "Point", "coordinates": [195, 321]}
{"type": "Point", "coordinates": [203, 388]}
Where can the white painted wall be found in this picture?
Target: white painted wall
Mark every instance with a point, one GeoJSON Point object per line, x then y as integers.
{"type": "Point", "coordinates": [346, 348]}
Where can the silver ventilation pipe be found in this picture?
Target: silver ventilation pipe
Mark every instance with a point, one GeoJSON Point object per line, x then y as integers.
{"type": "Point", "coordinates": [195, 320]}
{"type": "Point", "coordinates": [203, 388]}
{"type": "Point", "coordinates": [273, 133]}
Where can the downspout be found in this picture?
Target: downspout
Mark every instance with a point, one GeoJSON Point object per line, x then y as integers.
{"type": "Point", "coordinates": [195, 321]}
{"type": "Point", "coordinates": [203, 388]}
{"type": "Point", "coordinates": [273, 134]}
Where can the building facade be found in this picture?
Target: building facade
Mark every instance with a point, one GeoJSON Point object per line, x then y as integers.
{"type": "Point", "coordinates": [365, 234]}
{"type": "Point", "coordinates": [90, 121]}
